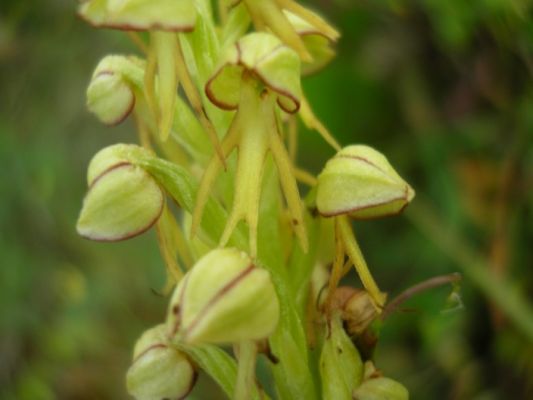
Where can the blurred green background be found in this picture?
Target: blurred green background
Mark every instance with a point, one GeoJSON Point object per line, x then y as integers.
{"type": "Point", "coordinates": [443, 87]}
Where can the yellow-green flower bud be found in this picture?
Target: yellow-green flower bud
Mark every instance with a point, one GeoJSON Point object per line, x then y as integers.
{"type": "Point", "coordinates": [316, 42]}
{"type": "Point", "coordinates": [360, 182]}
{"type": "Point", "coordinates": [268, 59]}
{"type": "Point", "coordinates": [159, 371]}
{"type": "Point", "coordinates": [110, 98]}
{"type": "Point", "coordinates": [123, 200]}
{"type": "Point", "coordinates": [225, 298]}
{"type": "Point", "coordinates": [341, 368]}
{"type": "Point", "coordinates": [110, 94]}
{"type": "Point", "coordinates": [381, 388]}
{"type": "Point", "coordinates": [135, 15]}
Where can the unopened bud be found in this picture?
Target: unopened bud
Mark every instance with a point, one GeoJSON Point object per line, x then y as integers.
{"type": "Point", "coordinates": [110, 98]}
{"type": "Point", "coordinates": [316, 42]}
{"type": "Point", "coordinates": [225, 298]}
{"type": "Point", "coordinates": [111, 92]}
{"type": "Point", "coordinates": [341, 367]}
{"type": "Point", "coordinates": [159, 371]}
{"type": "Point", "coordinates": [360, 182]}
{"type": "Point", "coordinates": [123, 200]}
{"type": "Point", "coordinates": [380, 388]}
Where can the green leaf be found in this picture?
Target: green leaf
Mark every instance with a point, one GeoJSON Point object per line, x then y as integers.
{"type": "Point", "coordinates": [182, 187]}
{"type": "Point", "coordinates": [341, 367]}
{"type": "Point", "coordinates": [292, 375]}
{"type": "Point", "coordinates": [218, 364]}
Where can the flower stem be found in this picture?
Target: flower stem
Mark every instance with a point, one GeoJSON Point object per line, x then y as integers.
{"type": "Point", "coordinates": [247, 352]}
{"type": "Point", "coordinates": [354, 252]}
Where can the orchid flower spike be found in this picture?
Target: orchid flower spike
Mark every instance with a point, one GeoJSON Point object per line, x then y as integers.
{"type": "Point", "coordinates": [255, 74]}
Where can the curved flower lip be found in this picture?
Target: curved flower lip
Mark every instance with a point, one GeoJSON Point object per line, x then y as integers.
{"type": "Point", "coordinates": [366, 207]}
{"type": "Point", "coordinates": [182, 19]}
{"type": "Point", "coordinates": [288, 100]}
{"type": "Point", "coordinates": [152, 347]}
{"type": "Point", "coordinates": [341, 154]}
{"type": "Point", "coordinates": [112, 157]}
{"type": "Point", "coordinates": [130, 234]}
{"type": "Point", "coordinates": [108, 169]}
{"type": "Point", "coordinates": [127, 110]}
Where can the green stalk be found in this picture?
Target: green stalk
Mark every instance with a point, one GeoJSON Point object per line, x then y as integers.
{"type": "Point", "coordinates": [474, 266]}
{"type": "Point", "coordinates": [246, 370]}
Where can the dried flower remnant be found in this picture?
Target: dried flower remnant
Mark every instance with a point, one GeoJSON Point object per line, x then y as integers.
{"type": "Point", "coordinates": [356, 307]}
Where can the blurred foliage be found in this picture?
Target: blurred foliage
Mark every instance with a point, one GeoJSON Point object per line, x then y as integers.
{"type": "Point", "coordinates": [443, 87]}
